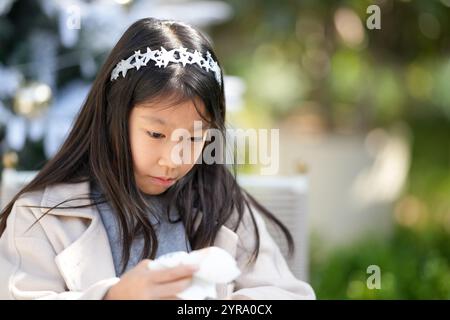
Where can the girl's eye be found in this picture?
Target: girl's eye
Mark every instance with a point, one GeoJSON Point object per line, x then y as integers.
{"type": "Point", "coordinates": [156, 135]}
{"type": "Point", "coordinates": [196, 139]}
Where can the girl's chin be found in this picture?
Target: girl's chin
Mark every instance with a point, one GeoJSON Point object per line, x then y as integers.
{"type": "Point", "coordinates": [153, 190]}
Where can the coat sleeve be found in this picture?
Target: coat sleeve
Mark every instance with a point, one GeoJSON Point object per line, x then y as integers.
{"type": "Point", "coordinates": [269, 277]}
{"type": "Point", "coordinates": [27, 263]}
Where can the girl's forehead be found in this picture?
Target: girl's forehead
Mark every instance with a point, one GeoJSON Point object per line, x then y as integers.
{"type": "Point", "coordinates": [180, 114]}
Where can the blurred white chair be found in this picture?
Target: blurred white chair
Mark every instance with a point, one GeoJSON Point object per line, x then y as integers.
{"type": "Point", "coordinates": [12, 182]}
{"type": "Point", "coordinates": [286, 198]}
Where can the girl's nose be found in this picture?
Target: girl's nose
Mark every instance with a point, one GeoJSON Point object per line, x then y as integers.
{"type": "Point", "coordinates": [166, 161]}
{"type": "Point", "coordinates": [169, 157]}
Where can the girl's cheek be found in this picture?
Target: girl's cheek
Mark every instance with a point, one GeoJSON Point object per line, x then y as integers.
{"type": "Point", "coordinates": [143, 152]}
{"type": "Point", "coordinates": [148, 155]}
{"type": "Point", "coordinates": [187, 168]}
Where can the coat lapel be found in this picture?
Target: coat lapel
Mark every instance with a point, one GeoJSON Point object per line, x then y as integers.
{"type": "Point", "coordinates": [88, 259]}
{"type": "Point", "coordinates": [227, 240]}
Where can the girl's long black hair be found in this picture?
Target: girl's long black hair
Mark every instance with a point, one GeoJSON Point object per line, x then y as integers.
{"type": "Point", "coordinates": [97, 148]}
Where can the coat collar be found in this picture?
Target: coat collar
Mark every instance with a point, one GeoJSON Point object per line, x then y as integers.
{"type": "Point", "coordinates": [88, 259]}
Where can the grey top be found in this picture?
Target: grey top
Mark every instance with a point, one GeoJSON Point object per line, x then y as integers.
{"type": "Point", "coordinates": [171, 235]}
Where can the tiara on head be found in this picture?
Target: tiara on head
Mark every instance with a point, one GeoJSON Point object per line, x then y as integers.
{"type": "Point", "coordinates": [163, 57]}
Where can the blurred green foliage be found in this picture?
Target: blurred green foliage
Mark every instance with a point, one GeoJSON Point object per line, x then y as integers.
{"type": "Point", "coordinates": [292, 53]}
{"type": "Point", "coordinates": [414, 265]}
{"type": "Point", "coordinates": [415, 260]}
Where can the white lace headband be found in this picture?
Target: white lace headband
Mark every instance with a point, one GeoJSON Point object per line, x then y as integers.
{"type": "Point", "coordinates": [163, 57]}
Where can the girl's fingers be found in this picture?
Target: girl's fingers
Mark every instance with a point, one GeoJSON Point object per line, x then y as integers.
{"type": "Point", "coordinates": [172, 274]}
{"type": "Point", "coordinates": [170, 289]}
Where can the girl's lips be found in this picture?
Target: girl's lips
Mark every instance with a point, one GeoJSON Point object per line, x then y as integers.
{"type": "Point", "coordinates": [162, 181]}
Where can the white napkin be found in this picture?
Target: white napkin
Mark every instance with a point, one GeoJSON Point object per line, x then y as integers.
{"type": "Point", "coordinates": [215, 266]}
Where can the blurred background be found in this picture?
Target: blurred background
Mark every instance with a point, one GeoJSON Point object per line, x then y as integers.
{"type": "Point", "coordinates": [363, 113]}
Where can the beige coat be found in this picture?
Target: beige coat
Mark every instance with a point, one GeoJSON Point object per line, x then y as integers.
{"type": "Point", "coordinates": [67, 254]}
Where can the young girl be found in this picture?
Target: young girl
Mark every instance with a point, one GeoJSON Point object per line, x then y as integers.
{"type": "Point", "coordinates": [114, 197]}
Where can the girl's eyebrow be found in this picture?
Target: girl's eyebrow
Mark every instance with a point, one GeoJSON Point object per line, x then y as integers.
{"type": "Point", "coordinates": [154, 119]}
{"type": "Point", "coordinates": [163, 122]}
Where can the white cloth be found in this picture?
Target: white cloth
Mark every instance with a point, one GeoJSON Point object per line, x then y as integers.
{"type": "Point", "coordinates": [215, 266]}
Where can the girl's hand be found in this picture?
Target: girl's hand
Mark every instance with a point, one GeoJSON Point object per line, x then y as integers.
{"type": "Point", "coordinates": [142, 283]}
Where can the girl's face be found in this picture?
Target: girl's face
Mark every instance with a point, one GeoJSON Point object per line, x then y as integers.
{"type": "Point", "coordinates": [152, 145]}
